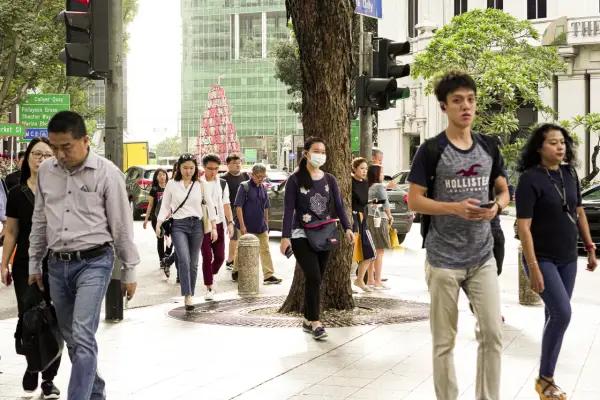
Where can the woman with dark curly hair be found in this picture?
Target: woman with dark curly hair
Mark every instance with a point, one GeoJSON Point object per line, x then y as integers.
{"type": "Point", "coordinates": [549, 218]}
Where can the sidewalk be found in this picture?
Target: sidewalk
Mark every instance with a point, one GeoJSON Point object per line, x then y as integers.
{"type": "Point", "coordinates": [152, 356]}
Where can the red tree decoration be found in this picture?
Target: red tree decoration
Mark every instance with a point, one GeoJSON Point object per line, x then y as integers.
{"type": "Point", "coordinates": [217, 131]}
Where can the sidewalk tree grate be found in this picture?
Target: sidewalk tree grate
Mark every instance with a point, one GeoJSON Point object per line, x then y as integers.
{"type": "Point", "coordinates": [262, 312]}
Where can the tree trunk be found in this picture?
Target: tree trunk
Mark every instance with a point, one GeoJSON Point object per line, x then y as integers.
{"type": "Point", "coordinates": [324, 33]}
{"type": "Point", "coordinates": [595, 169]}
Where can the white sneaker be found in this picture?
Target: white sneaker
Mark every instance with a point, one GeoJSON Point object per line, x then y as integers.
{"type": "Point", "coordinates": [209, 295]}
{"type": "Point", "coordinates": [189, 303]}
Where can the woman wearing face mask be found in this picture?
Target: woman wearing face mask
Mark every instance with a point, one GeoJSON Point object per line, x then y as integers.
{"type": "Point", "coordinates": [187, 232]}
{"type": "Point", "coordinates": [19, 212]}
{"type": "Point", "coordinates": [364, 249]}
{"type": "Point", "coordinates": [311, 195]}
{"type": "Point", "coordinates": [549, 219]}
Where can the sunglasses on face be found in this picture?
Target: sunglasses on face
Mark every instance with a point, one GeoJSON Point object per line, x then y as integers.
{"type": "Point", "coordinates": [187, 157]}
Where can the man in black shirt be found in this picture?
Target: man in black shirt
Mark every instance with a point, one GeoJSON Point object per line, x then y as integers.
{"type": "Point", "coordinates": [14, 178]}
{"type": "Point", "coordinates": [234, 178]}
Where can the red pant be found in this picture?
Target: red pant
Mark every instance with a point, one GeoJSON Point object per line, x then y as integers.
{"type": "Point", "coordinates": [213, 255]}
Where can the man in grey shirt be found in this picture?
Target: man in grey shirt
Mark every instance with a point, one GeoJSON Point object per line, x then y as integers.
{"type": "Point", "coordinates": [81, 212]}
{"type": "Point", "coordinates": [459, 241]}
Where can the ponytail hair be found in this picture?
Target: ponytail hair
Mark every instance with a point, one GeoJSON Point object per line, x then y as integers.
{"type": "Point", "coordinates": [302, 175]}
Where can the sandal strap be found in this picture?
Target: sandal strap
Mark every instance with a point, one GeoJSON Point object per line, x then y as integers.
{"type": "Point", "coordinates": [556, 390]}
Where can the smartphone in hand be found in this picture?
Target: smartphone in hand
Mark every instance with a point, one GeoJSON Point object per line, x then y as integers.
{"type": "Point", "coordinates": [487, 205]}
{"type": "Point", "coordinates": [289, 252]}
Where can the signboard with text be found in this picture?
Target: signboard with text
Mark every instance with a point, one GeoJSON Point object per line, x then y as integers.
{"type": "Point", "coordinates": [15, 130]}
{"type": "Point", "coordinates": [370, 8]}
{"type": "Point", "coordinates": [37, 109]}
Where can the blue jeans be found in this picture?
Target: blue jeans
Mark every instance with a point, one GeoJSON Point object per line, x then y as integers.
{"type": "Point", "coordinates": [187, 238]}
{"type": "Point", "coordinates": [77, 289]}
{"type": "Point", "coordinates": [559, 280]}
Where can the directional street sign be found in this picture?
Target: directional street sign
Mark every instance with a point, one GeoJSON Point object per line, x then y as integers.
{"type": "Point", "coordinates": [31, 133]}
{"type": "Point", "coordinates": [370, 8]}
{"type": "Point", "coordinates": [12, 130]}
{"type": "Point", "coordinates": [37, 109]}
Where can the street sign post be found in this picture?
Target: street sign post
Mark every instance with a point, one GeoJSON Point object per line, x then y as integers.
{"type": "Point", "coordinates": [370, 8]}
{"type": "Point", "coordinates": [32, 133]}
{"type": "Point", "coordinates": [15, 130]}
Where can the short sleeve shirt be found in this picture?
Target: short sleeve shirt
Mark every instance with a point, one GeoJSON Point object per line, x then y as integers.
{"type": "Point", "coordinates": [253, 204]}
{"type": "Point", "coordinates": [554, 234]}
{"type": "Point", "coordinates": [20, 208]}
{"type": "Point", "coordinates": [454, 242]}
{"type": "Point", "coordinates": [156, 193]}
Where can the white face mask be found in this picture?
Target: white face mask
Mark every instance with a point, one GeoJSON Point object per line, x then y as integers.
{"type": "Point", "coordinates": [317, 159]}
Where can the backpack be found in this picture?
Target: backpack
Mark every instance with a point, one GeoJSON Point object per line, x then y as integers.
{"type": "Point", "coordinates": [434, 147]}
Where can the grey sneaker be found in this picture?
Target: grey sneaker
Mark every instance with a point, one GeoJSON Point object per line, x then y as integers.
{"type": "Point", "coordinates": [319, 333]}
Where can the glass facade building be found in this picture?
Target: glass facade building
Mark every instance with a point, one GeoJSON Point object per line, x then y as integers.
{"type": "Point", "coordinates": [231, 43]}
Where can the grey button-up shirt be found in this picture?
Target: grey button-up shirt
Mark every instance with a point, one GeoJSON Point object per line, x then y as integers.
{"type": "Point", "coordinates": [81, 209]}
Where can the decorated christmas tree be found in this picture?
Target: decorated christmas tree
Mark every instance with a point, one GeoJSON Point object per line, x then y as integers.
{"type": "Point", "coordinates": [217, 132]}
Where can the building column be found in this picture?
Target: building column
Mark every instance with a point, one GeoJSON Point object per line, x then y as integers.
{"type": "Point", "coordinates": [572, 102]}
{"type": "Point", "coordinates": [595, 91]}
{"type": "Point", "coordinates": [236, 35]}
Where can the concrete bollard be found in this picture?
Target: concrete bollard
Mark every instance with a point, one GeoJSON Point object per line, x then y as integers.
{"type": "Point", "coordinates": [527, 297]}
{"type": "Point", "coordinates": [247, 265]}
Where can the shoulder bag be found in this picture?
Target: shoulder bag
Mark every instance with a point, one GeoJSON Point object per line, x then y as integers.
{"type": "Point", "coordinates": [323, 234]}
{"type": "Point", "coordinates": [205, 219]}
{"type": "Point", "coordinates": [167, 225]}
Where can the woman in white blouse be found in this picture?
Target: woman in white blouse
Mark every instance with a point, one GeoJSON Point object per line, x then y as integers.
{"type": "Point", "coordinates": [187, 232]}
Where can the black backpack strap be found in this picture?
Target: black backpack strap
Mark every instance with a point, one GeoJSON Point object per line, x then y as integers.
{"type": "Point", "coordinates": [223, 183]}
{"type": "Point", "coordinates": [434, 147]}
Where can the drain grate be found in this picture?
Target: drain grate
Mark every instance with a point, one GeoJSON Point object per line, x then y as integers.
{"type": "Point", "coordinates": [262, 312]}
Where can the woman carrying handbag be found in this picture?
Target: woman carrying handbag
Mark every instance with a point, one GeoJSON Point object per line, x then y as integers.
{"type": "Point", "coordinates": [19, 212]}
{"type": "Point", "coordinates": [184, 199]}
{"type": "Point", "coordinates": [308, 227]}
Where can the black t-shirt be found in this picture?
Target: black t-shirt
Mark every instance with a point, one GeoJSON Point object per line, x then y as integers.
{"type": "Point", "coordinates": [13, 179]}
{"type": "Point", "coordinates": [360, 195]}
{"type": "Point", "coordinates": [19, 207]}
{"type": "Point", "coordinates": [156, 193]}
{"type": "Point", "coordinates": [234, 181]}
{"type": "Point", "coordinates": [554, 234]}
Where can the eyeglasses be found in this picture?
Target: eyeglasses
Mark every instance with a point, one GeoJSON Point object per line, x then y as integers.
{"type": "Point", "coordinates": [41, 154]}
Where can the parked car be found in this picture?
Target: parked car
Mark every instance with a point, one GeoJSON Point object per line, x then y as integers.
{"type": "Point", "coordinates": [591, 205]}
{"type": "Point", "coordinates": [138, 182]}
{"type": "Point", "coordinates": [403, 218]}
{"type": "Point", "coordinates": [399, 178]}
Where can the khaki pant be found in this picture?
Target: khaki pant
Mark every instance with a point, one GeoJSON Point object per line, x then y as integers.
{"type": "Point", "coordinates": [481, 285]}
{"type": "Point", "coordinates": [265, 255]}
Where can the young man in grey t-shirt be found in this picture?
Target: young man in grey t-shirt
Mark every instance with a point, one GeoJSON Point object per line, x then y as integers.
{"type": "Point", "coordinates": [459, 240]}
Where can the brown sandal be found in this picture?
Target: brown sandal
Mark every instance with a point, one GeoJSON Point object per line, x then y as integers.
{"type": "Point", "coordinates": [548, 390]}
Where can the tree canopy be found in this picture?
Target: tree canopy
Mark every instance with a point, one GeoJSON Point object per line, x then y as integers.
{"type": "Point", "coordinates": [499, 51]}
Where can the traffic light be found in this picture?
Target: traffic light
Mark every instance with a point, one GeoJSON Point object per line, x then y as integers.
{"type": "Point", "coordinates": [86, 48]}
{"type": "Point", "coordinates": [381, 91]}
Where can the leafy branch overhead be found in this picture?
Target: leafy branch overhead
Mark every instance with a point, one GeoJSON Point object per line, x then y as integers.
{"type": "Point", "coordinates": [498, 50]}
{"type": "Point", "coordinates": [31, 37]}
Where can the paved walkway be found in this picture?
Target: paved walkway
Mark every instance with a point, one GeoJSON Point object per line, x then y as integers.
{"type": "Point", "coordinates": [152, 356]}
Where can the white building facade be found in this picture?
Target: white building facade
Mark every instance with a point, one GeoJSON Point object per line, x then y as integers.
{"type": "Point", "coordinates": [576, 92]}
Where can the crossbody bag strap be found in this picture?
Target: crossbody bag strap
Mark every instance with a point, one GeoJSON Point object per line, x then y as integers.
{"type": "Point", "coordinates": [184, 200]}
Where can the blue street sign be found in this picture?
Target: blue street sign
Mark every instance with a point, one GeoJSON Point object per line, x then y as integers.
{"type": "Point", "coordinates": [31, 133]}
{"type": "Point", "coordinates": [370, 8]}
{"type": "Point", "coordinates": [292, 156]}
